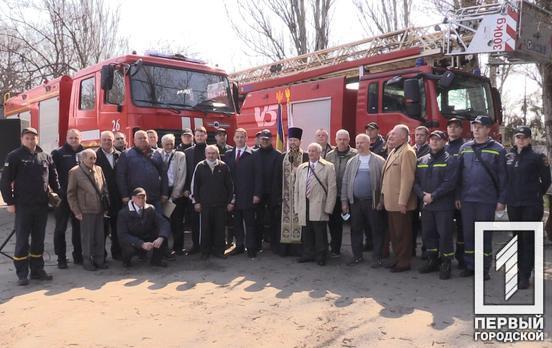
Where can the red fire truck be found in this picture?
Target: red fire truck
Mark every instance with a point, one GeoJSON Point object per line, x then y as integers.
{"type": "Point", "coordinates": [416, 76]}
{"type": "Point", "coordinates": [156, 91]}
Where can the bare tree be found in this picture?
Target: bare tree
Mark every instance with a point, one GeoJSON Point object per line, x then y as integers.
{"type": "Point", "coordinates": [55, 37]}
{"type": "Point", "coordinates": [266, 26]}
{"type": "Point", "coordinates": [383, 16]}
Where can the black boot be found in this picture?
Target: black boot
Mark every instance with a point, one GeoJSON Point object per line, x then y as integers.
{"type": "Point", "coordinates": [444, 271]}
{"type": "Point", "coordinates": [432, 264]}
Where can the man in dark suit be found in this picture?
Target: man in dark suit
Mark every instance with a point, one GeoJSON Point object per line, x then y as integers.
{"type": "Point", "coordinates": [107, 157]}
{"type": "Point", "coordinates": [240, 162]}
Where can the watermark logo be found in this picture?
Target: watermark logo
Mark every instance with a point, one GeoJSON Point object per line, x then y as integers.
{"type": "Point", "coordinates": [509, 321]}
{"type": "Point", "coordinates": [508, 257]}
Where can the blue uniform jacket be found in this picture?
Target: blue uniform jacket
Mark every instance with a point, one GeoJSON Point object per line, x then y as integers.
{"type": "Point", "coordinates": [528, 177]}
{"type": "Point", "coordinates": [476, 185]}
{"type": "Point", "coordinates": [436, 174]}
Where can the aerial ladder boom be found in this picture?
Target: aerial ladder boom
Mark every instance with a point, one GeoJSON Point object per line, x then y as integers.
{"type": "Point", "coordinates": [514, 30]}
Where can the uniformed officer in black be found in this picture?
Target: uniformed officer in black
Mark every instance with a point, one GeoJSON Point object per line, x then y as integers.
{"type": "Point", "coordinates": [27, 173]}
{"type": "Point", "coordinates": [64, 159]}
{"type": "Point", "coordinates": [455, 141]}
{"type": "Point", "coordinates": [528, 181]}
{"type": "Point", "coordinates": [434, 185]}
{"type": "Point", "coordinates": [483, 180]}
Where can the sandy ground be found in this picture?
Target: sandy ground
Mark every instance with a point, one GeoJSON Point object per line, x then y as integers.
{"type": "Point", "coordinates": [267, 302]}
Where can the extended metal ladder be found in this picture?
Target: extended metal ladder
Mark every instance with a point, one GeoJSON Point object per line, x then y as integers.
{"type": "Point", "coordinates": [430, 42]}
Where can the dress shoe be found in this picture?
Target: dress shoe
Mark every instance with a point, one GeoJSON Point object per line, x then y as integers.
{"type": "Point", "coordinates": [41, 275]}
{"type": "Point", "coordinates": [62, 264]}
{"type": "Point", "coordinates": [159, 264]}
{"type": "Point", "coordinates": [22, 281]}
{"type": "Point", "coordinates": [101, 266]}
{"type": "Point", "coordinates": [398, 269]}
{"type": "Point", "coordinates": [390, 265]}
{"type": "Point", "coordinates": [171, 256]}
{"type": "Point", "coordinates": [431, 265]}
{"type": "Point", "coordinates": [77, 260]}
{"type": "Point", "coordinates": [377, 264]}
{"type": "Point", "coordinates": [355, 261]}
{"type": "Point", "coordinates": [305, 259]}
{"type": "Point", "coordinates": [191, 251]}
{"type": "Point", "coordinates": [251, 254]}
{"type": "Point", "coordinates": [179, 252]}
{"type": "Point", "coordinates": [236, 251]}
{"type": "Point", "coordinates": [89, 266]}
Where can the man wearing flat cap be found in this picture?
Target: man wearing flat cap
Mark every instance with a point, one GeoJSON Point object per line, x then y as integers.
{"type": "Point", "coordinates": [482, 183]}
{"type": "Point", "coordinates": [434, 185]}
{"type": "Point", "coordinates": [221, 137]}
{"type": "Point", "coordinates": [142, 229]}
{"type": "Point", "coordinates": [291, 229]}
{"type": "Point", "coordinates": [377, 143]}
{"type": "Point", "coordinates": [528, 181]}
{"type": "Point", "coordinates": [27, 176]}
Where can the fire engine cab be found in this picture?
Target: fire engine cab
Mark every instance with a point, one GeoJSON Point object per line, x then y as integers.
{"type": "Point", "coordinates": [155, 91]}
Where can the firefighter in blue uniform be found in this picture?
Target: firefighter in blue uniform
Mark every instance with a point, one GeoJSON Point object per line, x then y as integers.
{"type": "Point", "coordinates": [455, 141]}
{"type": "Point", "coordinates": [482, 178]}
{"type": "Point", "coordinates": [28, 171]}
{"type": "Point", "coordinates": [434, 185]}
{"type": "Point", "coordinates": [528, 181]}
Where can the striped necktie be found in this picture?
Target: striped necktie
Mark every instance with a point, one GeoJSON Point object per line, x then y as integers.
{"type": "Point", "coordinates": [310, 182]}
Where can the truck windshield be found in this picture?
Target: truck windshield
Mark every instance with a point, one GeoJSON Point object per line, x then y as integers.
{"type": "Point", "coordinates": [172, 88]}
{"type": "Point", "coordinates": [467, 97]}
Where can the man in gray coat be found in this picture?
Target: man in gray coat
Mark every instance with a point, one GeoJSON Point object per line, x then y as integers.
{"type": "Point", "coordinates": [339, 157]}
{"type": "Point", "coordinates": [360, 196]}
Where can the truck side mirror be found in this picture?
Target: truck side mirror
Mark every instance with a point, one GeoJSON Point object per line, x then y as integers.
{"type": "Point", "coordinates": [412, 98]}
{"type": "Point", "coordinates": [107, 75]}
{"type": "Point", "coordinates": [236, 96]}
{"type": "Point", "coordinates": [445, 81]}
{"type": "Point", "coordinates": [497, 103]}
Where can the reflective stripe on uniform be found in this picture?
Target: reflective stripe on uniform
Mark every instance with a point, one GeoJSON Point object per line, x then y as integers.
{"type": "Point", "coordinates": [448, 254]}
{"type": "Point", "coordinates": [487, 254]}
{"type": "Point", "coordinates": [21, 258]}
{"type": "Point", "coordinates": [467, 150]}
{"type": "Point", "coordinates": [494, 152]}
{"type": "Point", "coordinates": [423, 166]}
{"type": "Point", "coordinates": [36, 255]}
{"type": "Point", "coordinates": [469, 251]}
{"type": "Point", "coordinates": [440, 165]}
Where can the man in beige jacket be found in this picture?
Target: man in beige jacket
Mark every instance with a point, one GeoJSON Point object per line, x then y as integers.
{"type": "Point", "coordinates": [85, 189]}
{"type": "Point", "coordinates": [314, 197]}
{"type": "Point", "coordinates": [398, 196]}
{"type": "Point", "coordinates": [174, 163]}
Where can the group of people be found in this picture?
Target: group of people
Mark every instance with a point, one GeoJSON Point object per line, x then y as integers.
{"type": "Point", "coordinates": [235, 198]}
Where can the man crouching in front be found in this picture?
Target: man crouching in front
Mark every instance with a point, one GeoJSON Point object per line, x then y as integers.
{"type": "Point", "coordinates": [142, 229]}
